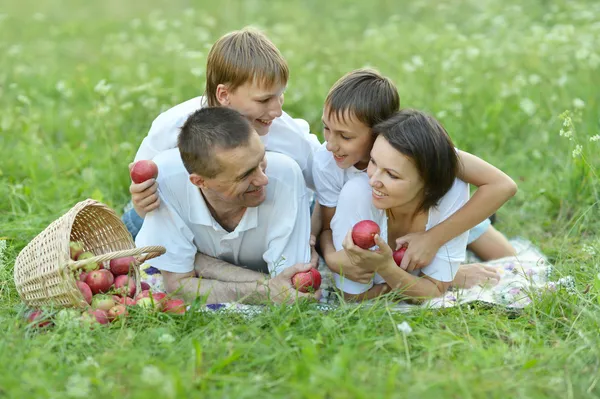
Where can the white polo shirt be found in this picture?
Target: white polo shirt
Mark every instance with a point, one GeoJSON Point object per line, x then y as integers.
{"type": "Point", "coordinates": [286, 135]}
{"type": "Point", "coordinates": [269, 237]}
{"type": "Point", "coordinates": [355, 204]}
{"type": "Point", "coordinates": [330, 178]}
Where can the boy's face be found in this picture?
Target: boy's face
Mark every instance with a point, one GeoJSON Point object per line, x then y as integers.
{"type": "Point", "coordinates": [259, 104]}
{"type": "Point", "coordinates": [348, 139]}
{"type": "Point", "coordinates": [242, 180]}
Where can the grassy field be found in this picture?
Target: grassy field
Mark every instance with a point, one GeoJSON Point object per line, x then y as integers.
{"type": "Point", "coordinates": [80, 83]}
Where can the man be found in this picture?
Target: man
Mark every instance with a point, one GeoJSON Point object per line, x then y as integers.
{"type": "Point", "coordinates": [230, 213]}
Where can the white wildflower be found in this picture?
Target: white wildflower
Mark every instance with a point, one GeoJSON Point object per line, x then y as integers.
{"type": "Point", "coordinates": [197, 72]}
{"type": "Point", "coordinates": [102, 87]}
{"type": "Point", "coordinates": [404, 328]}
{"type": "Point", "coordinates": [78, 386]}
{"type": "Point", "coordinates": [578, 103]}
{"type": "Point", "coordinates": [577, 151]}
{"type": "Point", "coordinates": [408, 67]}
{"type": "Point", "coordinates": [527, 106]}
{"type": "Point", "coordinates": [534, 79]}
{"type": "Point", "coordinates": [595, 138]}
{"type": "Point", "coordinates": [166, 338]}
{"type": "Point", "coordinates": [472, 52]}
{"type": "Point", "coordinates": [152, 375]}
{"type": "Point", "coordinates": [588, 249]}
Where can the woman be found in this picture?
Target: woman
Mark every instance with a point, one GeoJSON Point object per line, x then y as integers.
{"type": "Point", "coordinates": [410, 187]}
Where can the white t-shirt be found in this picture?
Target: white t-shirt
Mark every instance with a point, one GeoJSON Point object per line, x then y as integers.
{"type": "Point", "coordinates": [269, 237]}
{"type": "Point", "coordinates": [355, 204]}
{"type": "Point", "coordinates": [330, 178]}
{"type": "Point", "coordinates": [286, 135]}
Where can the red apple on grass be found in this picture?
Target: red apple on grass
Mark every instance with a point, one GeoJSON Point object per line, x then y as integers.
{"type": "Point", "coordinates": [125, 285]}
{"type": "Point", "coordinates": [100, 281]}
{"type": "Point", "coordinates": [38, 318]}
{"type": "Point", "coordinates": [145, 286]}
{"type": "Point", "coordinates": [147, 299]}
{"type": "Point", "coordinates": [307, 281]}
{"type": "Point", "coordinates": [120, 266]}
{"type": "Point", "coordinates": [363, 233]}
{"type": "Point", "coordinates": [85, 290]}
{"type": "Point", "coordinates": [398, 255]}
{"type": "Point", "coordinates": [100, 315]}
{"type": "Point", "coordinates": [175, 306]}
{"type": "Point", "coordinates": [143, 170]}
{"type": "Point", "coordinates": [75, 249]}
{"type": "Point", "coordinates": [103, 302]}
{"type": "Point", "coordinates": [116, 312]}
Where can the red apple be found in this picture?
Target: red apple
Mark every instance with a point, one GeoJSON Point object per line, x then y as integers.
{"type": "Point", "coordinates": [147, 298]}
{"type": "Point", "coordinates": [175, 306]}
{"type": "Point", "coordinates": [39, 318]}
{"type": "Point", "coordinates": [363, 233]}
{"type": "Point", "coordinates": [143, 170]}
{"type": "Point", "coordinates": [82, 276]}
{"type": "Point", "coordinates": [100, 315]}
{"type": "Point", "coordinates": [308, 281]}
{"type": "Point", "coordinates": [120, 266]}
{"type": "Point", "coordinates": [398, 255]}
{"type": "Point", "coordinates": [103, 302]}
{"type": "Point", "coordinates": [86, 291]}
{"type": "Point", "coordinates": [116, 312]}
{"type": "Point", "coordinates": [145, 285]}
{"type": "Point", "coordinates": [75, 249]}
{"type": "Point", "coordinates": [100, 281]}
{"type": "Point", "coordinates": [125, 286]}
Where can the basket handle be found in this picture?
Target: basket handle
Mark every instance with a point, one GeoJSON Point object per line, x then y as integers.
{"type": "Point", "coordinates": [145, 252]}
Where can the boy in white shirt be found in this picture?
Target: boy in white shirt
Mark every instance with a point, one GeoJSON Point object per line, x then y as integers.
{"type": "Point", "coordinates": [223, 196]}
{"type": "Point", "coordinates": [245, 72]}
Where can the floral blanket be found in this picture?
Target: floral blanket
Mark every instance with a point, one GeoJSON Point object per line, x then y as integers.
{"type": "Point", "coordinates": [521, 276]}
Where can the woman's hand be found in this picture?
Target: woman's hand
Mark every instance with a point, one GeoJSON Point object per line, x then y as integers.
{"type": "Point", "coordinates": [420, 250]}
{"type": "Point", "coordinates": [367, 260]}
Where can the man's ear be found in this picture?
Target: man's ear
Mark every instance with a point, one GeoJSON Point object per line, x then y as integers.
{"type": "Point", "coordinates": [222, 95]}
{"type": "Point", "coordinates": [198, 180]}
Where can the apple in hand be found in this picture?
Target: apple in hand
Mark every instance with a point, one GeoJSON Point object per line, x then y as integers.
{"type": "Point", "coordinates": [308, 281]}
{"type": "Point", "coordinates": [143, 170]}
{"type": "Point", "coordinates": [100, 281]}
{"type": "Point", "coordinates": [120, 266]}
{"type": "Point", "coordinates": [398, 255]}
{"type": "Point", "coordinates": [363, 233]}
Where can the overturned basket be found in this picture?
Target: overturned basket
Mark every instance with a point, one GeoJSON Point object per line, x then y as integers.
{"type": "Point", "coordinates": [44, 271]}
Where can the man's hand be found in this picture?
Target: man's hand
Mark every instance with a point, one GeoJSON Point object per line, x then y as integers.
{"type": "Point", "coordinates": [419, 252]}
{"type": "Point", "coordinates": [473, 274]}
{"type": "Point", "coordinates": [144, 195]}
{"type": "Point", "coordinates": [281, 290]}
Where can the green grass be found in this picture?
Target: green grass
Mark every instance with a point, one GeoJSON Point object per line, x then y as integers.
{"type": "Point", "coordinates": [497, 74]}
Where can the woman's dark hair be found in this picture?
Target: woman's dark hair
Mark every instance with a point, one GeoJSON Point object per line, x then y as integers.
{"type": "Point", "coordinates": [423, 139]}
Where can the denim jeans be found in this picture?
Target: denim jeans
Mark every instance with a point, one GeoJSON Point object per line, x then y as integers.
{"type": "Point", "coordinates": [132, 220]}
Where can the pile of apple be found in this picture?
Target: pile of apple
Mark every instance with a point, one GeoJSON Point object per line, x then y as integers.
{"type": "Point", "coordinates": [110, 291]}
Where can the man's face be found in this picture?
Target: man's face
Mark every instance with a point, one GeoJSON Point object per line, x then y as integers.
{"type": "Point", "coordinates": [259, 104]}
{"type": "Point", "coordinates": [241, 180]}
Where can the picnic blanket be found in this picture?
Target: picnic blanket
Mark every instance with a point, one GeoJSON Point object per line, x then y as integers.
{"type": "Point", "coordinates": [522, 276]}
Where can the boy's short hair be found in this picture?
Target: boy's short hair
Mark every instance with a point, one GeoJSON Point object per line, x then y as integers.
{"type": "Point", "coordinates": [207, 130]}
{"type": "Point", "coordinates": [242, 56]}
{"type": "Point", "coordinates": [365, 94]}
{"type": "Point", "coordinates": [425, 141]}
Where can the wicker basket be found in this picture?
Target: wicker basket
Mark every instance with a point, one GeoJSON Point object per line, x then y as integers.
{"type": "Point", "coordinates": [44, 271]}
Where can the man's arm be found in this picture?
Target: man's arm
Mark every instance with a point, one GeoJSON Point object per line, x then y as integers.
{"type": "Point", "coordinates": [210, 268]}
{"type": "Point", "coordinates": [278, 289]}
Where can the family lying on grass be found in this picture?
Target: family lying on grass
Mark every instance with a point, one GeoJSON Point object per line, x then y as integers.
{"type": "Point", "coordinates": [234, 201]}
